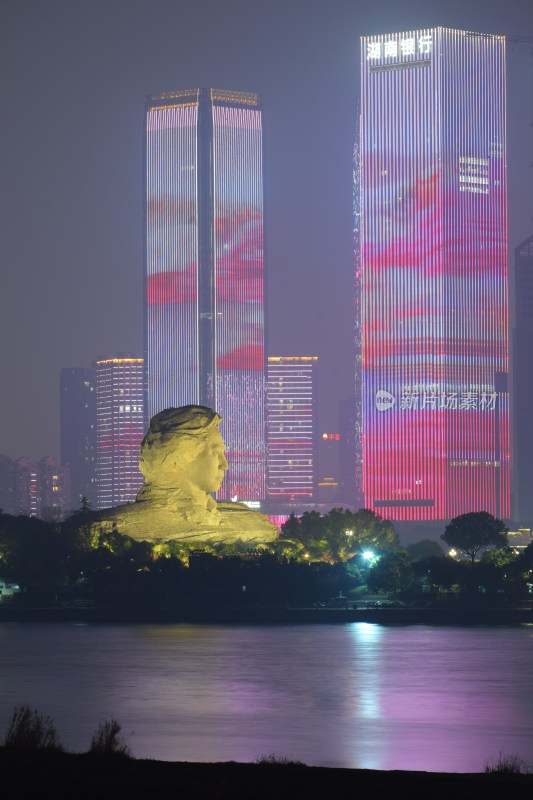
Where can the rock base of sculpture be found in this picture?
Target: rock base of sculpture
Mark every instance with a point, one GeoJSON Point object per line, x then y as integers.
{"type": "Point", "coordinates": [225, 523]}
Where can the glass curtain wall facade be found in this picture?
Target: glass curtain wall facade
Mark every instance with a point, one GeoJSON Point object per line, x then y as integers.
{"type": "Point", "coordinates": [204, 316]}
{"type": "Point", "coordinates": [291, 427]}
{"type": "Point", "coordinates": [433, 275]}
{"type": "Point", "coordinates": [119, 429]}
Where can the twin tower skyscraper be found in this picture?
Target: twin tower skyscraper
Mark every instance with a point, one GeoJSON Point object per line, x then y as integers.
{"type": "Point", "coordinates": [204, 269]}
{"type": "Point", "coordinates": [432, 403]}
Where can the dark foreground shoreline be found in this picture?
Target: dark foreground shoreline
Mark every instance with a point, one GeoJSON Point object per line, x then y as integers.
{"type": "Point", "coordinates": [257, 615]}
{"type": "Point", "coordinates": [81, 776]}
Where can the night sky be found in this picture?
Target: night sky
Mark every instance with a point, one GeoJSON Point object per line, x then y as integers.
{"type": "Point", "coordinates": [74, 75]}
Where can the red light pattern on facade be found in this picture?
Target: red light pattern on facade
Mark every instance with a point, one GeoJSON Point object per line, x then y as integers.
{"type": "Point", "coordinates": [433, 280]}
{"type": "Point", "coordinates": [204, 269]}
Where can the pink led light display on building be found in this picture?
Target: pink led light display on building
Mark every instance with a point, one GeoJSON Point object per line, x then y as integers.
{"type": "Point", "coordinates": [433, 275]}
{"type": "Point", "coordinates": [204, 317]}
{"type": "Point", "coordinates": [291, 427]}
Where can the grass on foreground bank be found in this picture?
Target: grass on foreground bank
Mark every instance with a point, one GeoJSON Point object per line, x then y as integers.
{"type": "Point", "coordinates": [28, 731]}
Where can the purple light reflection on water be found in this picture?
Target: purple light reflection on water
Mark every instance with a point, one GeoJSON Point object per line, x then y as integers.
{"type": "Point", "coordinates": [356, 695]}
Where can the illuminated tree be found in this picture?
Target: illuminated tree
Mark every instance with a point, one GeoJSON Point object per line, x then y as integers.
{"type": "Point", "coordinates": [373, 531]}
{"type": "Point", "coordinates": [340, 534]}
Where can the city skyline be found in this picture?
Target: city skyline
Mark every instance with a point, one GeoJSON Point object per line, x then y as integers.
{"type": "Point", "coordinates": [72, 195]}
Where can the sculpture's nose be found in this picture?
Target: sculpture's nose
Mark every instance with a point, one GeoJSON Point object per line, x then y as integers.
{"type": "Point", "coordinates": [222, 462]}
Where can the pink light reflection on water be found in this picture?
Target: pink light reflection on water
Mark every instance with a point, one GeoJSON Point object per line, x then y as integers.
{"type": "Point", "coordinates": [357, 695]}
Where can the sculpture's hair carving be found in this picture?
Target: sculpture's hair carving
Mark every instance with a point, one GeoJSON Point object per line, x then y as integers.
{"type": "Point", "coordinates": [190, 420]}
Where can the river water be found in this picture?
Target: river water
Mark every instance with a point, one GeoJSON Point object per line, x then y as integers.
{"type": "Point", "coordinates": [360, 695]}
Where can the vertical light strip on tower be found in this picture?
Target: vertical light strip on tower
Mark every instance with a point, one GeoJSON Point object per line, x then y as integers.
{"type": "Point", "coordinates": [171, 302]}
{"type": "Point", "coordinates": [238, 234]}
{"type": "Point", "coordinates": [433, 247]}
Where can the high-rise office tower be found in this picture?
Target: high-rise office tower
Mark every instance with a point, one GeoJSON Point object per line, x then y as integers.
{"type": "Point", "coordinates": [291, 428]}
{"type": "Point", "coordinates": [523, 383]}
{"type": "Point", "coordinates": [204, 319]}
{"type": "Point", "coordinates": [119, 429]}
{"type": "Point", "coordinates": [328, 471]}
{"type": "Point", "coordinates": [77, 422]}
{"type": "Point", "coordinates": [54, 490]}
{"type": "Point", "coordinates": [432, 274]}
{"type": "Point", "coordinates": [35, 488]}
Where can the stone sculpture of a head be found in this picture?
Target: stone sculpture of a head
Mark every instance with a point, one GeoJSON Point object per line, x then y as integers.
{"type": "Point", "coordinates": [182, 460]}
{"type": "Point", "coordinates": [183, 449]}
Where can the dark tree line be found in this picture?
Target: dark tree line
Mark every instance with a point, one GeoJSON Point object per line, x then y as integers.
{"type": "Point", "coordinates": [316, 558]}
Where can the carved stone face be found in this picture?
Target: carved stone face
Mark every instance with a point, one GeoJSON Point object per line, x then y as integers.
{"type": "Point", "coordinates": [206, 470]}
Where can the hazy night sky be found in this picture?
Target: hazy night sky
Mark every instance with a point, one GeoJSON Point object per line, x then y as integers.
{"type": "Point", "coordinates": [74, 76]}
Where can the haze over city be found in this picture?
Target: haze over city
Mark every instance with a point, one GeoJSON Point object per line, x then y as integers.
{"type": "Point", "coordinates": [73, 84]}
{"type": "Point", "coordinates": [355, 594]}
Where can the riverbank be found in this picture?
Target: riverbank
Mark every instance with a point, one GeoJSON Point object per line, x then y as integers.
{"type": "Point", "coordinates": [83, 776]}
{"type": "Point", "coordinates": [257, 615]}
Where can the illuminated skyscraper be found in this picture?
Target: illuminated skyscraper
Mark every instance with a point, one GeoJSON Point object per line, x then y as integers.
{"type": "Point", "coordinates": [291, 428]}
{"type": "Point", "coordinates": [204, 320]}
{"type": "Point", "coordinates": [432, 274]}
{"type": "Point", "coordinates": [119, 429]}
